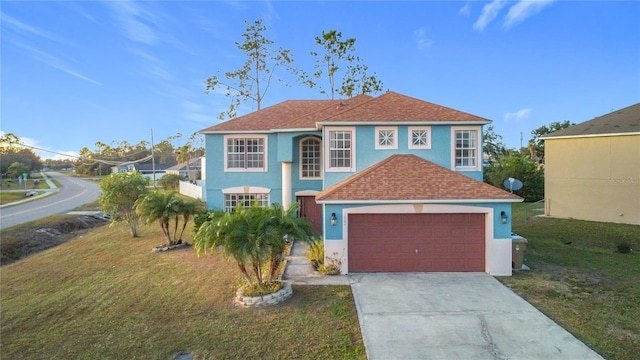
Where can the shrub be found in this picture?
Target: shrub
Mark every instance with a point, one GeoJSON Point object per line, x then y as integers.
{"type": "Point", "coordinates": [170, 181]}
{"type": "Point", "coordinates": [120, 191]}
{"type": "Point", "coordinates": [315, 254]}
{"type": "Point", "coordinates": [332, 267]}
{"type": "Point", "coordinates": [623, 248]}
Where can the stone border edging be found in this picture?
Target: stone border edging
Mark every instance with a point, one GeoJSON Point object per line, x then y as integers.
{"type": "Point", "coordinates": [164, 248]}
{"type": "Point", "coordinates": [265, 300]}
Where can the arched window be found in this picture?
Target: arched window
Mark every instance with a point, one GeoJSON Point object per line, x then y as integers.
{"type": "Point", "coordinates": [310, 158]}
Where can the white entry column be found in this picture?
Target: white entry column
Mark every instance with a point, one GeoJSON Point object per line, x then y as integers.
{"type": "Point", "coordinates": [286, 185]}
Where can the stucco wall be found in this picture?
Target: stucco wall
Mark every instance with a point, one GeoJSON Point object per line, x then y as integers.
{"type": "Point", "coordinates": [281, 147]}
{"type": "Point", "coordinates": [367, 155]}
{"type": "Point", "coordinates": [593, 178]}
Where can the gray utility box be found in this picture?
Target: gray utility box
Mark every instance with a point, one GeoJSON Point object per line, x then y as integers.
{"type": "Point", "coordinates": [518, 246]}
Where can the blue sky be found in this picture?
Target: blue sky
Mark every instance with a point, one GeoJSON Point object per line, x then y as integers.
{"type": "Point", "coordinates": [74, 73]}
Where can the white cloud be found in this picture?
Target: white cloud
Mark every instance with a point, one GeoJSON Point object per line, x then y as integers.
{"type": "Point", "coordinates": [42, 151]}
{"type": "Point", "coordinates": [521, 114]}
{"type": "Point", "coordinates": [465, 10]}
{"type": "Point", "coordinates": [489, 13]}
{"type": "Point", "coordinates": [154, 66]}
{"type": "Point", "coordinates": [22, 28]}
{"type": "Point", "coordinates": [524, 9]}
{"type": "Point", "coordinates": [54, 62]}
{"type": "Point", "coordinates": [60, 155]}
{"type": "Point", "coordinates": [136, 23]}
{"type": "Point", "coordinates": [421, 38]}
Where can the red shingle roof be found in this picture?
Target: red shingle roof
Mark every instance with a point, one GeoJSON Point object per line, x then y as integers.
{"type": "Point", "coordinates": [409, 177]}
{"type": "Point", "coordinates": [306, 114]}
{"type": "Point", "coordinates": [394, 107]}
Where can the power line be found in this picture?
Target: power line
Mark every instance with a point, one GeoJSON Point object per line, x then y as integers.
{"type": "Point", "coordinates": [93, 160]}
{"type": "Point", "coordinates": [53, 152]}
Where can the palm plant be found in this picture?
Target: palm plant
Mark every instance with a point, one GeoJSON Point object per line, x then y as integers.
{"type": "Point", "coordinates": [282, 226]}
{"type": "Point", "coordinates": [231, 232]}
{"type": "Point", "coordinates": [253, 236]}
{"type": "Point", "coordinates": [164, 207]}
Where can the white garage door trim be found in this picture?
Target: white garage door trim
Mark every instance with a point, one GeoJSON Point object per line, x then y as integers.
{"type": "Point", "coordinates": [342, 247]}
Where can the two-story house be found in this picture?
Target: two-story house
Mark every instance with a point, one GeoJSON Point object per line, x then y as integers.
{"type": "Point", "coordinates": [393, 183]}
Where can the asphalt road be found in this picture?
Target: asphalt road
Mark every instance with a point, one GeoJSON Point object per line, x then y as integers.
{"type": "Point", "coordinates": [73, 193]}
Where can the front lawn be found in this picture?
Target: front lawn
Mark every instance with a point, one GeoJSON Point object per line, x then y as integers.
{"type": "Point", "coordinates": [106, 296]}
{"type": "Point", "coordinates": [579, 279]}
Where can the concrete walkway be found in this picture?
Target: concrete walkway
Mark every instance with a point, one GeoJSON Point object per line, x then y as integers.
{"type": "Point", "coordinates": [300, 272]}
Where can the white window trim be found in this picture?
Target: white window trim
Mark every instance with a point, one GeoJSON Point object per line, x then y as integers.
{"type": "Point", "coordinates": [478, 130]}
{"type": "Point", "coordinates": [327, 149]}
{"type": "Point", "coordinates": [300, 158]}
{"type": "Point", "coordinates": [377, 137]}
{"type": "Point", "coordinates": [247, 136]}
{"type": "Point", "coordinates": [410, 131]}
{"type": "Point", "coordinates": [245, 190]}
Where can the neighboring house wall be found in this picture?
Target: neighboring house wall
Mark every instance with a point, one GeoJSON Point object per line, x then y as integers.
{"type": "Point", "coordinates": [498, 235]}
{"type": "Point", "coordinates": [593, 178]}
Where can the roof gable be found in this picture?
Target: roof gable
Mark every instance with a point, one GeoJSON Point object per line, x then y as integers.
{"type": "Point", "coordinates": [626, 120]}
{"type": "Point", "coordinates": [409, 177]}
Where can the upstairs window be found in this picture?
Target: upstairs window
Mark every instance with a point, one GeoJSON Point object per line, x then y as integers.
{"type": "Point", "coordinates": [386, 138]}
{"type": "Point", "coordinates": [419, 137]}
{"type": "Point", "coordinates": [245, 153]}
{"type": "Point", "coordinates": [466, 149]}
{"type": "Point", "coordinates": [341, 149]}
{"type": "Point", "coordinates": [310, 158]}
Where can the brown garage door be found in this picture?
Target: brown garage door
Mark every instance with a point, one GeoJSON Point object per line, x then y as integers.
{"type": "Point", "coordinates": [416, 242]}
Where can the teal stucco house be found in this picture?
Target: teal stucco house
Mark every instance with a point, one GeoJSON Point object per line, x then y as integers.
{"type": "Point", "coordinates": [392, 182]}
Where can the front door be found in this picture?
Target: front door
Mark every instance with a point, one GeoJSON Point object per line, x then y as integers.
{"type": "Point", "coordinates": [311, 211]}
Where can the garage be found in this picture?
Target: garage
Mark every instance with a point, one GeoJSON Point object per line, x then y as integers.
{"type": "Point", "coordinates": [416, 242]}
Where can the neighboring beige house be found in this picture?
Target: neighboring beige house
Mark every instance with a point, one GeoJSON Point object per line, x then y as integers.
{"type": "Point", "coordinates": [592, 170]}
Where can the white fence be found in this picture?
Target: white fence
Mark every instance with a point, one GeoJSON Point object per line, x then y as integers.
{"type": "Point", "coordinates": [193, 190]}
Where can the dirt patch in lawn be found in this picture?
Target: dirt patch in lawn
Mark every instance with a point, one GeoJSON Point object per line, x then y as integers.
{"type": "Point", "coordinates": [21, 241]}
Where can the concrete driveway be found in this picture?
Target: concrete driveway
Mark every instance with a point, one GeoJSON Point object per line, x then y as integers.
{"type": "Point", "coordinates": [455, 316]}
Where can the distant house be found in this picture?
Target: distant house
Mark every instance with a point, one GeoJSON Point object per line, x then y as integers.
{"type": "Point", "coordinates": [146, 169]}
{"type": "Point", "coordinates": [592, 170]}
{"type": "Point", "coordinates": [393, 183]}
{"type": "Point", "coordinates": [192, 172]}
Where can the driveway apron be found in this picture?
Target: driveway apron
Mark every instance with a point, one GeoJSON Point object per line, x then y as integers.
{"type": "Point", "coordinates": [455, 316]}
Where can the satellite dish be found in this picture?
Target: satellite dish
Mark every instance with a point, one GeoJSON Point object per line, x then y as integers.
{"type": "Point", "coordinates": [512, 184]}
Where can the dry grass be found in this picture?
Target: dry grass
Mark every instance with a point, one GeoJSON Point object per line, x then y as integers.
{"type": "Point", "coordinates": [9, 197]}
{"type": "Point", "coordinates": [579, 280]}
{"type": "Point", "coordinates": [105, 295]}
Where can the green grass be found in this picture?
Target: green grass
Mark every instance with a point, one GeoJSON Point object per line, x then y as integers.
{"type": "Point", "coordinates": [579, 279]}
{"type": "Point", "coordinates": [106, 296]}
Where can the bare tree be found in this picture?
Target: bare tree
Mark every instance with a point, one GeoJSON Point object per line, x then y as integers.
{"type": "Point", "coordinates": [252, 80]}
{"type": "Point", "coordinates": [338, 56]}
